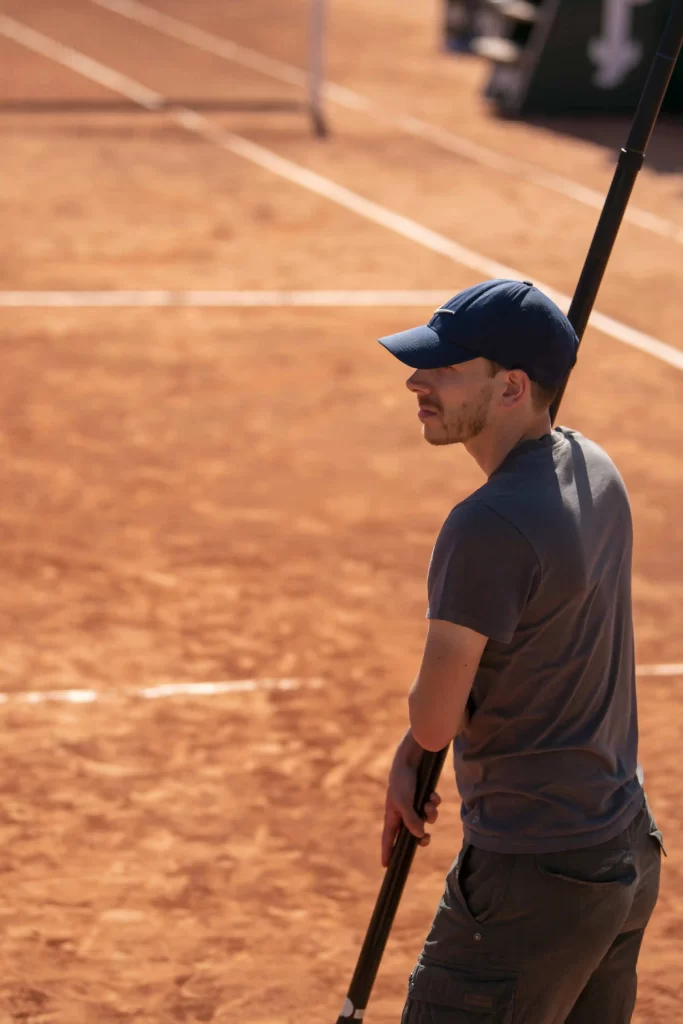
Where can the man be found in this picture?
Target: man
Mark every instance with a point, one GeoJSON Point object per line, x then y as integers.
{"type": "Point", "coordinates": [528, 667]}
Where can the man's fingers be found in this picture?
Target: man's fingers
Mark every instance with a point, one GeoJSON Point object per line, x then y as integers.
{"type": "Point", "coordinates": [407, 815]}
{"type": "Point", "coordinates": [392, 823]}
{"type": "Point", "coordinates": [431, 809]}
{"type": "Point", "coordinates": [413, 822]}
{"type": "Point", "coordinates": [431, 813]}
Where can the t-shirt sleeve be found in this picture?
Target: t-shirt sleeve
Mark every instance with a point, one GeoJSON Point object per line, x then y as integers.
{"type": "Point", "coordinates": [482, 573]}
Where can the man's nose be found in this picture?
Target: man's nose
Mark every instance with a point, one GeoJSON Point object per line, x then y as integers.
{"type": "Point", "coordinates": [417, 384]}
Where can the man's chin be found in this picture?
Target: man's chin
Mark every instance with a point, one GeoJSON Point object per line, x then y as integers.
{"type": "Point", "coordinates": [437, 440]}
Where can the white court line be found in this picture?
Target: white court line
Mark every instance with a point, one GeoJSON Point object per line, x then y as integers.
{"type": "Point", "coordinates": [660, 670]}
{"type": "Point", "coordinates": [219, 46]}
{"type": "Point", "coordinates": [232, 686]}
{"type": "Point", "coordinates": [256, 299]}
{"type": "Point", "coordinates": [161, 691]}
{"type": "Point", "coordinates": [349, 200]}
{"type": "Point", "coordinates": [81, 64]}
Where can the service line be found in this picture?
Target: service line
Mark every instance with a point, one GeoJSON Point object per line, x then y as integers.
{"type": "Point", "coordinates": [325, 187]}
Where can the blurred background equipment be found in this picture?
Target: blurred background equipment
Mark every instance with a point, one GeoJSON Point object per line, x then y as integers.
{"type": "Point", "coordinates": [464, 22]}
{"type": "Point", "coordinates": [563, 56]}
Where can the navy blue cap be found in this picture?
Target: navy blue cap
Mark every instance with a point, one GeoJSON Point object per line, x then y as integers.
{"type": "Point", "coordinates": [509, 322]}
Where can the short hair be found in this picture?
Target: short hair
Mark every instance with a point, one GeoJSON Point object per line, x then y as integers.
{"type": "Point", "coordinates": [541, 397]}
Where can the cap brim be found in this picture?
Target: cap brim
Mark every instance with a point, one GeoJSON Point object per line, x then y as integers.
{"type": "Point", "coordinates": [421, 348]}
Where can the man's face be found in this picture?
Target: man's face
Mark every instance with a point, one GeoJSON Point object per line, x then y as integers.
{"type": "Point", "coordinates": [455, 401]}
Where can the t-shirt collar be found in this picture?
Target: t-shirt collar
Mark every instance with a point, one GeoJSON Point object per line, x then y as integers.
{"type": "Point", "coordinates": [535, 444]}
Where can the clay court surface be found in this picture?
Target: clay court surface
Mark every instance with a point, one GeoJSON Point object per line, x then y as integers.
{"type": "Point", "coordinates": [243, 494]}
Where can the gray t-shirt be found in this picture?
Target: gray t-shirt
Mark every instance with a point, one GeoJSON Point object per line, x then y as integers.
{"type": "Point", "coordinates": [539, 561]}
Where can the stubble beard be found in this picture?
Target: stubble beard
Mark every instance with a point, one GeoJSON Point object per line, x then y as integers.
{"type": "Point", "coordinates": [465, 424]}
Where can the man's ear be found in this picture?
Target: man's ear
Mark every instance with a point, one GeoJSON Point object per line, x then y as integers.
{"type": "Point", "coordinates": [517, 386]}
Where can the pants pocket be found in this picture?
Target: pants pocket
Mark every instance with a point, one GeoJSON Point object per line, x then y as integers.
{"type": "Point", "coordinates": [483, 880]}
{"type": "Point", "coordinates": [443, 995]}
{"type": "Point", "coordinates": [600, 870]}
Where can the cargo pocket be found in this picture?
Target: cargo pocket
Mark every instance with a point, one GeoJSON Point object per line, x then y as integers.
{"type": "Point", "coordinates": [444, 995]}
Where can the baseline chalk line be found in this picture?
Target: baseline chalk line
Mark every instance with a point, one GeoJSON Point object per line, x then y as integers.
{"type": "Point", "coordinates": [227, 49]}
{"type": "Point", "coordinates": [161, 691]}
{"type": "Point", "coordinates": [328, 189]}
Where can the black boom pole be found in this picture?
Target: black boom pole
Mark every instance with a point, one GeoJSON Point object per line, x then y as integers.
{"type": "Point", "coordinates": [390, 894]}
{"type": "Point", "coordinates": [630, 161]}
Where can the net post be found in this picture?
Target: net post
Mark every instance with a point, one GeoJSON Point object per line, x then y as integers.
{"type": "Point", "coordinates": [316, 66]}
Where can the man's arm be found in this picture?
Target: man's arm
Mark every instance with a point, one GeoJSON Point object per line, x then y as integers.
{"type": "Point", "coordinates": [437, 699]}
{"type": "Point", "coordinates": [436, 704]}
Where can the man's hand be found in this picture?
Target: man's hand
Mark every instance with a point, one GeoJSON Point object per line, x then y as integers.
{"type": "Point", "coordinates": [401, 796]}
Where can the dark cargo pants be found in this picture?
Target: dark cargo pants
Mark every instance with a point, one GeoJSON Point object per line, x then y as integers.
{"type": "Point", "coordinates": [540, 939]}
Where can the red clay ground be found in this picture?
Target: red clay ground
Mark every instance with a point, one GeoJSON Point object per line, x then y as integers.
{"type": "Point", "coordinates": [231, 494]}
